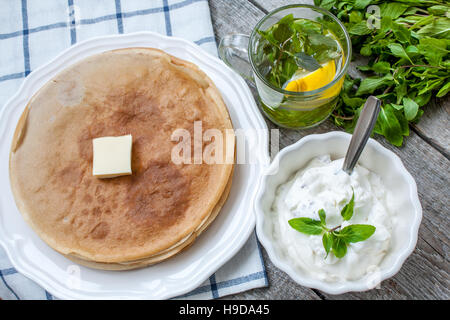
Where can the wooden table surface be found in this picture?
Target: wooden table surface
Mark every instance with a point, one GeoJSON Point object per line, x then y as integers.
{"type": "Point", "coordinates": [426, 155]}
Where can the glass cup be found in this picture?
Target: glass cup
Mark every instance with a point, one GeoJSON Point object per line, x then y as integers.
{"type": "Point", "coordinates": [288, 109]}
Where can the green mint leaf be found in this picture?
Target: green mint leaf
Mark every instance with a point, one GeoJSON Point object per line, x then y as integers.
{"type": "Point", "coordinates": [306, 225]}
{"type": "Point", "coordinates": [397, 106]}
{"type": "Point", "coordinates": [411, 108]}
{"type": "Point", "coordinates": [361, 4]}
{"type": "Point", "coordinates": [410, 11]}
{"type": "Point", "coordinates": [412, 51]}
{"type": "Point", "coordinates": [322, 216]}
{"type": "Point", "coordinates": [444, 90]}
{"type": "Point", "coordinates": [281, 32]}
{"type": "Point", "coordinates": [326, 4]}
{"type": "Point", "coordinates": [289, 68]}
{"type": "Point", "coordinates": [386, 26]}
{"type": "Point", "coordinates": [268, 35]}
{"type": "Point", "coordinates": [404, 127]}
{"type": "Point", "coordinates": [430, 85]}
{"type": "Point", "coordinates": [339, 246]}
{"type": "Point", "coordinates": [398, 51]}
{"type": "Point", "coordinates": [438, 28]}
{"type": "Point", "coordinates": [402, 33]}
{"type": "Point", "coordinates": [305, 26]}
{"type": "Point", "coordinates": [366, 51]}
{"type": "Point", "coordinates": [438, 10]}
{"type": "Point", "coordinates": [434, 50]}
{"type": "Point", "coordinates": [327, 241]}
{"type": "Point", "coordinates": [381, 67]}
{"type": "Point", "coordinates": [423, 99]}
{"type": "Point", "coordinates": [418, 21]}
{"type": "Point", "coordinates": [359, 29]}
{"type": "Point", "coordinates": [355, 17]}
{"type": "Point", "coordinates": [306, 62]}
{"type": "Point", "coordinates": [389, 126]}
{"type": "Point", "coordinates": [392, 10]}
{"type": "Point", "coordinates": [327, 55]}
{"type": "Point", "coordinates": [365, 68]}
{"type": "Point", "coordinates": [319, 41]}
{"type": "Point", "coordinates": [347, 211]}
{"type": "Point", "coordinates": [352, 102]}
{"type": "Point", "coordinates": [288, 19]}
{"type": "Point", "coordinates": [369, 85]}
{"type": "Point", "coordinates": [401, 90]}
{"type": "Point", "coordinates": [356, 233]}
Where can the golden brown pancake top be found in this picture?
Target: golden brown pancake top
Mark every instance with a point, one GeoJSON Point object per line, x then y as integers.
{"type": "Point", "coordinates": [143, 92]}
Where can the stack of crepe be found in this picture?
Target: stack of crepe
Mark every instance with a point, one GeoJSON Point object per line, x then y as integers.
{"type": "Point", "coordinates": [129, 221]}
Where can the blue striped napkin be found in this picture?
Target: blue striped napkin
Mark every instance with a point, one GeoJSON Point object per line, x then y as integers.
{"type": "Point", "coordinates": [33, 32]}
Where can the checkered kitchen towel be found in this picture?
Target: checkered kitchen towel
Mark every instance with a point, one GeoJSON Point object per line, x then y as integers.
{"type": "Point", "coordinates": [34, 31]}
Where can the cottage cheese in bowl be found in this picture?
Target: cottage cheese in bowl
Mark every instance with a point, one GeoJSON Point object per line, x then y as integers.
{"type": "Point", "coordinates": [306, 177]}
{"type": "Point", "coordinates": [322, 184]}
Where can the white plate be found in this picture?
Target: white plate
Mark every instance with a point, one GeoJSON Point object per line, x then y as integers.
{"type": "Point", "coordinates": [178, 275]}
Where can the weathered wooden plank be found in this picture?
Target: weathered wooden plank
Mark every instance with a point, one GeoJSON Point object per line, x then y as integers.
{"type": "Point", "coordinates": [431, 170]}
{"type": "Point", "coordinates": [425, 274]}
{"type": "Point", "coordinates": [434, 126]}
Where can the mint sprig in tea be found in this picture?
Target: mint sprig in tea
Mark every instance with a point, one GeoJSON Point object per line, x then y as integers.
{"type": "Point", "coordinates": [300, 55]}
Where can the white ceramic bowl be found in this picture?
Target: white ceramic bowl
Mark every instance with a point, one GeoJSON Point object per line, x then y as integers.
{"type": "Point", "coordinates": [375, 158]}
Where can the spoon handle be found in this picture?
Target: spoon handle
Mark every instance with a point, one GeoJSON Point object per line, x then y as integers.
{"type": "Point", "coordinates": [361, 134]}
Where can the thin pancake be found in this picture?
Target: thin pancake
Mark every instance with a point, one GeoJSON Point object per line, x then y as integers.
{"type": "Point", "coordinates": [165, 254]}
{"type": "Point", "coordinates": [143, 92]}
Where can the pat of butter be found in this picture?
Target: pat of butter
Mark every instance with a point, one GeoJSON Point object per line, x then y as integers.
{"type": "Point", "coordinates": [112, 156]}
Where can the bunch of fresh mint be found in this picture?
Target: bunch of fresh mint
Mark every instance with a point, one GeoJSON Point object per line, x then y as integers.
{"type": "Point", "coordinates": [335, 239]}
{"type": "Point", "coordinates": [407, 42]}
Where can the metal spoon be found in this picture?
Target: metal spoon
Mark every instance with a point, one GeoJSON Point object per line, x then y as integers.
{"type": "Point", "coordinates": [361, 134]}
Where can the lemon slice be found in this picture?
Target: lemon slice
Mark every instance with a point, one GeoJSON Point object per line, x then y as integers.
{"type": "Point", "coordinates": [312, 80]}
{"type": "Point", "coordinates": [307, 81]}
